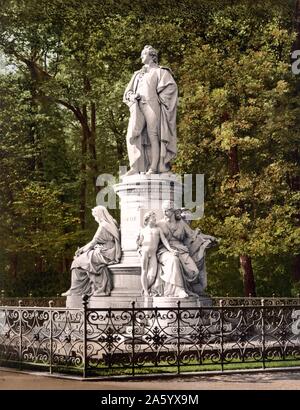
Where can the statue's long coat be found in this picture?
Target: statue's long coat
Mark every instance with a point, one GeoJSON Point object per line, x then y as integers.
{"type": "Point", "coordinates": [164, 104]}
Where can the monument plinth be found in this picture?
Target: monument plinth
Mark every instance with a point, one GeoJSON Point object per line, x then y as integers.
{"type": "Point", "coordinates": [138, 195]}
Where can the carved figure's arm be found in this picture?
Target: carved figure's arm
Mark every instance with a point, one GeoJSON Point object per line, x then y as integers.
{"type": "Point", "coordinates": [165, 242]}
{"type": "Point", "coordinates": [140, 240]}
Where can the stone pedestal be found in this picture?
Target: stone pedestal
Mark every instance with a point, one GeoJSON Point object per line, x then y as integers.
{"type": "Point", "coordinates": [172, 302]}
{"type": "Point", "coordinates": [139, 194]}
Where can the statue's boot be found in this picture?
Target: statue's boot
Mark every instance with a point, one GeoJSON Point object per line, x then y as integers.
{"type": "Point", "coordinates": [67, 293]}
{"type": "Point", "coordinates": [182, 294]}
{"type": "Point", "coordinates": [132, 171]}
{"type": "Point", "coordinates": [151, 171]}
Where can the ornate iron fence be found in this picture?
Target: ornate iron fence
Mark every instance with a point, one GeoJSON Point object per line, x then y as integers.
{"type": "Point", "coordinates": [31, 301]}
{"type": "Point", "coordinates": [96, 342]}
{"type": "Point", "coordinates": [256, 301]}
{"type": "Point", "coordinates": [59, 301]}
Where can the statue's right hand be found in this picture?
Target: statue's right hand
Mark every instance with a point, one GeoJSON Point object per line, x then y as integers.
{"type": "Point", "coordinates": [78, 252]}
{"type": "Point", "coordinates": [134, 97]}
{"type": "Point", "coordinates": [131, 97]}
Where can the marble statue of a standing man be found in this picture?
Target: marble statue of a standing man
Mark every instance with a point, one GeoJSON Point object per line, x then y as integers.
{"type": "Point", "coordinates": [152, 99]}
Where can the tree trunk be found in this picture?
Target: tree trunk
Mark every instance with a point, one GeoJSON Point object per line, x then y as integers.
{"type": "Point", "coordinates": [35, 162]}
{"type": "Point", "coordinates": [248, 276]}
{"type": "Point", "coordinates": [91, 132]}
{"type": "Point", "coordinates": [39, 264]}
{"type": "Point", "coordinates": [296, 45]}
{"type": "Point", "coordinates": [83, 182]}
{"type": "Point", "coordinates": [13, 265]}
{"type": "Point", "coordinates": [234, 168]}
{"type": "Point", "coordinates": [296, 268]}
{"type": "Point", "coordinates": [92, 147]}
{"type": "Point", "coordinates": [118, 135]}
{"type": "Point", "coordinates": [120, 147]}
{"type": "Point", "coordinates": [245, 260]}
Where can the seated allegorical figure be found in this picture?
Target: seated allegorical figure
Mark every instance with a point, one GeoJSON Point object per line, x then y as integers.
{"type": "Point", "coordinates": [89, 270]}
{"type": "Point", "coordinates": [176, 271]}
{"type": "Point", "coordinates": [197, 243]}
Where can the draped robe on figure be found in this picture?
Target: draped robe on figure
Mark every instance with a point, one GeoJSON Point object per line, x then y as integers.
{"type": "Point", "coordinates": [89, 269]}
{"type": "Point", "coordinates": [176, 272]}
{"type": "Point", "coordinates": [161, 94]}
{"type": "Point", "coordinates": [197, 244]}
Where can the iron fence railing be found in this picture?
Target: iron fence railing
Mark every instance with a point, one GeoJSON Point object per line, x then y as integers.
{"type": "Point", "coordinates": [31, 301]}
{"type": "Point", "coordinates": [59, 301]}
{"type": "Point", "coordinates": [256, 301]}
{"type": "Point", "coordinates": [102, 342]}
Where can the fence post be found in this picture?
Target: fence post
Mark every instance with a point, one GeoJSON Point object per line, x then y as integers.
{"type": "Point", "coordinates": [222, 333]}
{"type": "Point", "coordinates": [133, 338]}
{"type": "Point", "coordinates": [51, 334]}
{"type": "Point", "coordinates": [85, 299]}
{"type": "Point", "coordinates": [20, 334]}
{"type": "Point", "coordinates": [178, 337]}
{"type": "Point", "coordinates": [157, 357]}
{"type": "Point", "coordinates": [263, 335]}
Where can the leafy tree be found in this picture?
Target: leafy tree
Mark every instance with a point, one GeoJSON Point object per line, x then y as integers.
{"type": "Point", "coordinates": [239, 124]}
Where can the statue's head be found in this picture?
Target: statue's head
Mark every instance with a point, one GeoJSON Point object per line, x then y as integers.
{"type": "Point", "coordinates": [149, 217]}
{"type": "Point", "coordinates": [100, 213]}
{"type": "Point", "coordinates": [168, 208]}
{"type": "Point", "coordinates": [177, 213]}
{"type": "Point", "coordinates": [186, 215]}
{"type": "Point", "coordinates": [149, 53]}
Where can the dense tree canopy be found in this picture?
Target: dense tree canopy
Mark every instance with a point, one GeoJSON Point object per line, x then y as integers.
{"type": "Point", "coordinates": [63, 69]}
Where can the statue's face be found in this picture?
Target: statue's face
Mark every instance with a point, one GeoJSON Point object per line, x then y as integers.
{"type": "Point", "coordinates": [96, 217]}
{"type": "Point", "coordinates": [168, 212]}
{"type": "Point", "coordinates": [178, 214]}
{"type": "Point", "coordinates": [152, 220]}
{"type": "Point", "coordinates": [187, 216]}
{"type": "Point", "coordinates": [146, 57]}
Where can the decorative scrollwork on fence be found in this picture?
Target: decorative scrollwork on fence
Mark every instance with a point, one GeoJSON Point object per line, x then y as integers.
{"type": "Point", "coordinates": [136, 340]}
{"type": "Point", "coordinates": [41, 337]}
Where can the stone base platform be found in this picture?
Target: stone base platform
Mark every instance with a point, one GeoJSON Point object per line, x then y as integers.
{"type": "Point", "coordinates": [139, 194]}
{"type": "Point", "coordinates": [126, 280]}
{"type": "Point", "coordinates": [172, 302]}
{"type": "Point", "coordinates": [106, 302]}
{"type": "Point", "coordinates": [125, 301]}
{"type": "Point", "coordinates": [127, 289]}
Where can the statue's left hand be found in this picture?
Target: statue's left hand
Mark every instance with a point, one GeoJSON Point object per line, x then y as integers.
{"type": "Point", "coordinates": [78, 252]}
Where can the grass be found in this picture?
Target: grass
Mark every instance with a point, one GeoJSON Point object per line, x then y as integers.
{"type": "Point", "coordinates": [148, 368]}
{"type": "Point", "coordinates": [209, 366]}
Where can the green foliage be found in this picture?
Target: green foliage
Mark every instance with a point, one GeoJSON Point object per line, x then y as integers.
{"type": "Point", "coordinates": [241, 94]}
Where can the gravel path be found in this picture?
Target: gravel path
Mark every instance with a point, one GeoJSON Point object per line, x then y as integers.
{"type": "Point", "coordinates": [246, 381]}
